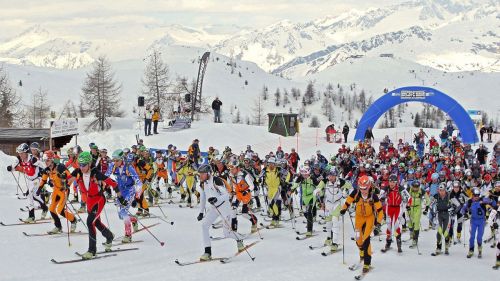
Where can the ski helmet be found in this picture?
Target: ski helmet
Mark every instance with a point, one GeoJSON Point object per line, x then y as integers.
{"type": "Point", "coordinates": [333, 172]}
{"type": "Point", "coordinates": [35, 145]}
{"type": "Point", "coordinates": [205, 168]}
{"type": "Point", "coordinates": [49, 155]}
{"type": "Point", "coordinates": [476, 192]}
{"type": "Point", "coordinates": [23, 148]}
{"type": "Point", "coordinates": [77, 149]}
{"type": "Point", "coordinates": [130, 158]}
{"type": "Point", "coordinates": [393, 177]}
{"type": "Point", "coordinates": [84, 158]}
{"type": "Point", "coordinates": [365, 182]}
{"type": "Point", "coordinates": [117, 155]}
{"type": "Point", "coordinates": [442, 186]}
{"type": "Point", "coordinates": [271, 160]}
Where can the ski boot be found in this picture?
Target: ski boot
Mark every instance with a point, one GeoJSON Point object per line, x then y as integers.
{"type": "Point", "coordinates": [56, 230]}
{"type": "Point", "coordinates": [139, 212]}
{"type": "Point", "coordinates": [446, 249]}
{"type": "Point", "coordinates": [44, 215]}
{"type": "Point", "coordinates": [387, 245]}
{"type": "Point", "coordinates": [470, 254]}
{"type": "Point", "coordinates": [366, 268]}
{"type": "Point", "coordinates": [254, 228]}
{"type": "Point", "coordinates": [328, 242]}
{"type": "Point", "coordinates": [398, 242]}
{"type": "Point", "coordinates": [127, 239]}
{"type": "Point", "coordinates": [413, 244]}
{"type": "Point", "coordinates": [88, 256]}
{"type": "Point", "coordinates": [29, 220]}
{"type": "Point", "coordinates": [479, 252]}
{"type": "Point", "coordinates": [497, 265]}
{"type": "Point", "coordinates": [83, 209]}
{"type": "Point", "coordinates": [73, 226]}
{"type": "Point", "coordinates": [109, 243]}
{"type": "Point", "coordinates": [334, 247]}
{"type": "Point", "coordinates": [309, 234]}
{"type": "Point", "coordinates": [207, 255]}
{"type": "Point", "coordinates": [135, 226]}
{"type": "Point", "coordinates": [459, 235]}
{"type": "Point", "coordinates": [146, 213]}
{"type": "Point", "coordinates": [240, 245]}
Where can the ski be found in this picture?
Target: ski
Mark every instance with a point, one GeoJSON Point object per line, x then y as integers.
{"type": "Point", "coordinates": [80, 259]}
{"type": "Point", "coordinates": [304, 237]}
{"type": "Point", "coordinates": [384, 250]}
{"type": "Point", "coordinates": [271, 227]}
{"type": "Point", "coordinates": [139, 230]}
{"type": "Point", "coordinates": [22, 223]}
{"type": "Point", "coordinates": [121, 243]}
{"type": "Point", "coordinates": [196, 261]}
{"type": "Point", "coordinates": [228, 259]}
{"type": "Point", "coordinates": [326, 254]}
{"type": "Point", "coordinates": [54, 235]}
{"type": "Point", "coordinates": [312, 247]}
{"type": "Point", "coordinates": [112, 251]}
{"type": "Point", "coordinates": [354, 267]}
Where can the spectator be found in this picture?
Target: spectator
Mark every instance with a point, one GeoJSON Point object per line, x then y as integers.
{"type": "Point", "coordinates": [330, 131]}
{"type": "Point", "coordinates": [481, 154]}
{"type": "Point", "coordinates": [148, 116]}
{"type": "Point", "coordinates": [444, 136]}
{"type": "Point", "coordinates": [156, 118]}
{"type": "Point", "coordinates": [489, 131]}
{"type": "Point", "coordinates": [369, 134]}
{"type": "Point", "coordinates": [450, 129]}
{"type": "Point", "coordinates": [345, 131]}
{"type": "Point", "coordinates": [216, 104]}
{"type": "Point", "coordinates": [482, 131]}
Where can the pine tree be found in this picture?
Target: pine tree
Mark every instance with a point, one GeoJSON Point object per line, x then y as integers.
{"type": "Point", "coordinates": [314, 122]}
{"type": "Point", "coordinates": [38, 111]}
{"type": "Point", "coordinates": [237, 118]}
{"type": "Point", "coordinates": [286, 100]}
{"type": "Point", "coordinates": [416, 121]}
{"type": "Point", "coordinates": [101, 95]}
{"type": "Point", "coordinates": [362, 101]}
{"type": "Point", "coordinates": [277, 97]}
{"type": "Point", "coordinates": [10, 101]}
{"type": "Point", "coordinates": [264, 93]}
{"type": "Point", "coordinates": [327, 108]}
{"type": "Point", "coordinates": [309, 94]}
{"type": "Point", "coordinates": [156, 83]}
{"type": "Point", "coordinates": [258, 112]}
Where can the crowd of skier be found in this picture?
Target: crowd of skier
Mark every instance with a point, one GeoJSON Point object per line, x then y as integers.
{"type": "Point", "coordinates": [395, 185]}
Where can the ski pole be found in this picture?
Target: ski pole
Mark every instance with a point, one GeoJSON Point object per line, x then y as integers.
{"type": "Point", "coordinates": [230, 229]}
{"type": "Point", "coordinates": [343, 241]}
{"type": "Point", "coordinates": [147, 229]}
{"type": "Point", "coordinates": [18, 186]}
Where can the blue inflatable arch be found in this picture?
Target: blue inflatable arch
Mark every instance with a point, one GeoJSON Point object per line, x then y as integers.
{"type": "Point", "coordinates": [419, 94]}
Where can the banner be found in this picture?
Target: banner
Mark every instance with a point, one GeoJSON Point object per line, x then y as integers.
{"type": "Point", "coordinates": [64, 127]}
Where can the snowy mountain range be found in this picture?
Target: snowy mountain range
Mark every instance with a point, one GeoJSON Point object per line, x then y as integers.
{"type": "Point", "coordinates": [450, 35]}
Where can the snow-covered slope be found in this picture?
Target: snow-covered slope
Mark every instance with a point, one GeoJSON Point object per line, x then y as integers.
{"type": "Point", "coordinates": [278, 256]}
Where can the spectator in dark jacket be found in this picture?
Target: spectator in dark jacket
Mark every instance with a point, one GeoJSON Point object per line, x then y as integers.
{"type": "Point", "coordinates": [216, 104]}
{"type": "Point", "coordinates": [489, 131]}
{"type": "Point", "coordinates": [369, 134]}
{"type": "Point", "coordinates": [345, 131]}
{"type": "Point", "coordinates": [481, 154]}
{"type": "Point", "coordinates": [482, 131]}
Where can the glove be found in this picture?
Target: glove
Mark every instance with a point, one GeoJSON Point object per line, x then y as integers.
{"type": "Point", "coordinates": [199, 217]}
{"type": "Point", "coordinates": [212, 200]}
{"type": "Point", "coordinates": [376, 230]}
{"type": "Point", "coordinates": [495, 225]}
{"type": "Point", "coordinates": [342, 212]}
{"type": "Point", "coordinates": [122, 201]}
{"type": "Point", "coordinates": [26, 193]}
{"type": "Point", "coordinates": [134, 202]}
{"type": "Point", "coordinates": [426, 210]}
{"type": "Point", "coordinates": [9, 168]}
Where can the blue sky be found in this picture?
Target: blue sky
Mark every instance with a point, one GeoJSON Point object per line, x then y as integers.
{"type": "Point", "coordinates": [16, 16]}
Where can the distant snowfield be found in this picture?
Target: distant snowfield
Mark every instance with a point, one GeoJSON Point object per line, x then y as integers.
{"type": "Point", "coordinates": [278, 257]}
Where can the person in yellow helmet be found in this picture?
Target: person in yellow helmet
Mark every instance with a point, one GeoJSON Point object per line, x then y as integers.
{"type": "Point", "coordinates": [368, 214]}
